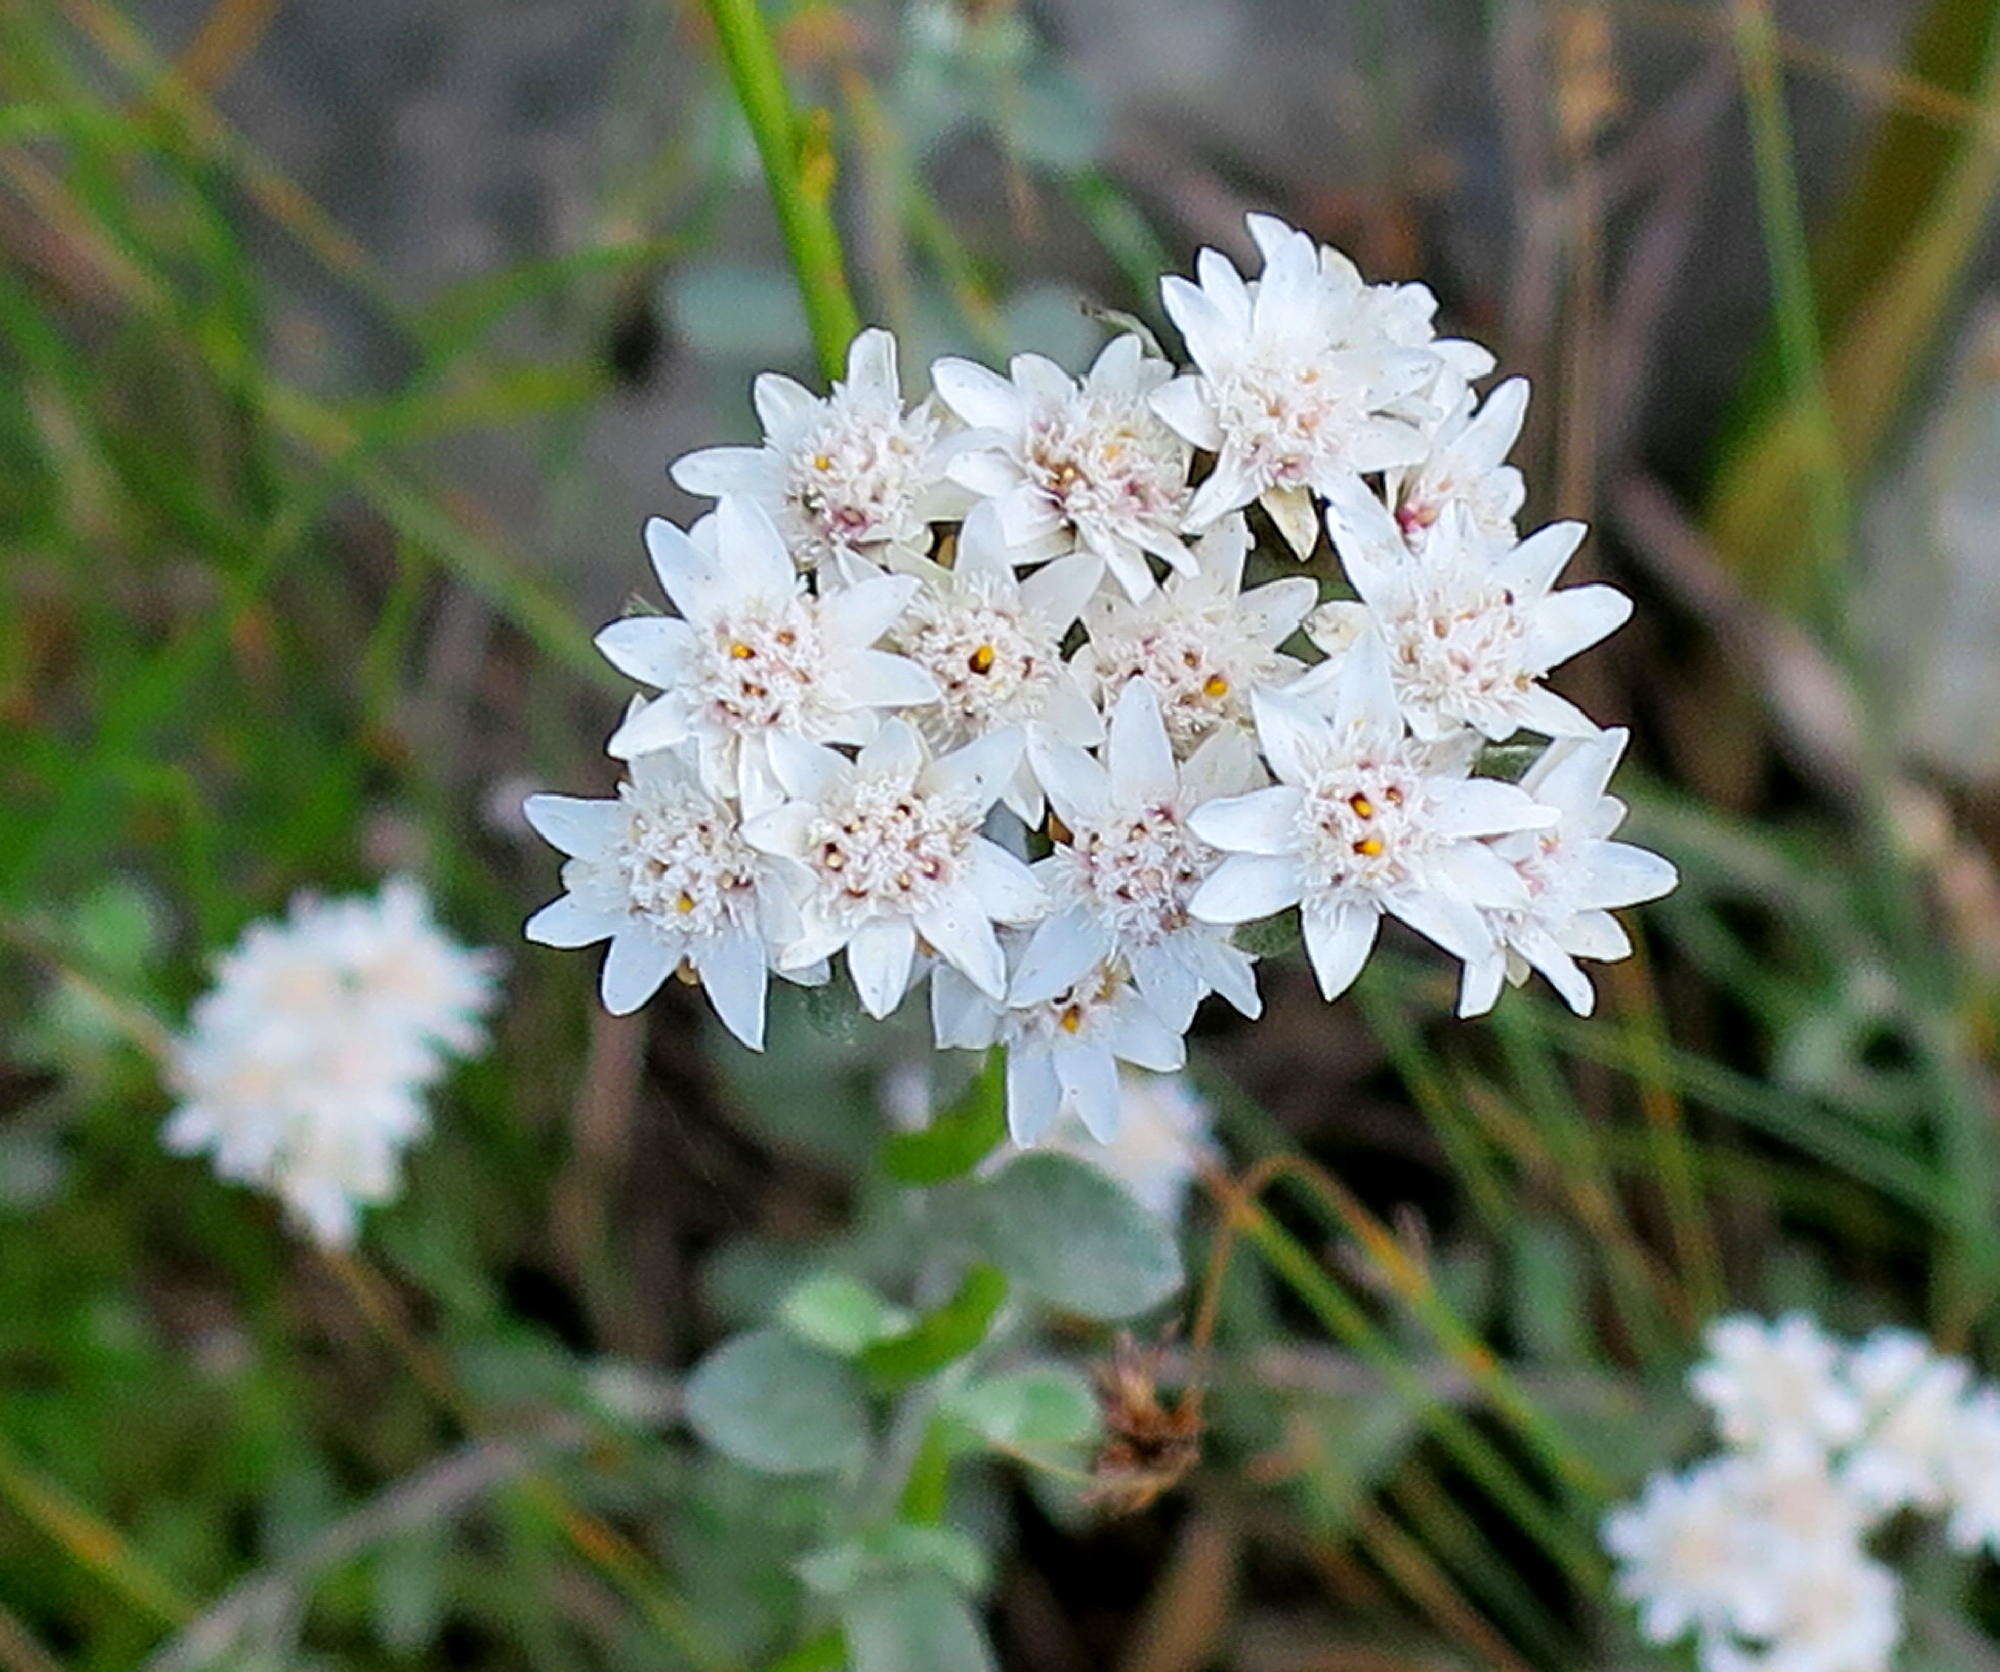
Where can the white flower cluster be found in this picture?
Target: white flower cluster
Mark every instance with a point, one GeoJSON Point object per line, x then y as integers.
{"type": "Point", "coordinates": [303, 1069]}
{"type": "Point", "coordinates": [1760, 1553]}
{"type": "Point", "coordinates": [906, 634]}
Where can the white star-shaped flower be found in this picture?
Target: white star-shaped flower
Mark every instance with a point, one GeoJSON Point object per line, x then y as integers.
{"type": "Point", "coordinates": [303, 1068]}
{"type": "Point", "coordinates": [993, 643]}
{"type": "Point", "coordinates": [1575, 877]}
{"type": "Point", "coordinates": [852, 480]}
{"type": "Point", "coordinates": [1776, 1385]}
{"type": "Point", "coordinates": [1687, 1555]}
{"type": "Point", "coordinates": [753, 655]}
{"type": "Point", "coordinates": [1201, 642]}
{"type": "Point", "coordinates": [1364, 820]}
{"type": "Point", "coordinates": [1063, 1052]}
{"type": "Point", "coordinates": [1298, 386]}
{"type": "Point", "coordinates": [1128, 864]}
{"type": "Point", "coordinates": [663, 873]}
{"type": "Point", "coordinates": [1912, 1398]}
{"type": "Point", "coordinates": [884, 852]}
{"type": "Point", "coordinates": [1975, 1474]}
{"type": "Point", "coordinates": [1075, 466]}
{"type": "Point", "coordinates": [1472, 626]}
{"type": "Point", "coordinates": [1465, 465]}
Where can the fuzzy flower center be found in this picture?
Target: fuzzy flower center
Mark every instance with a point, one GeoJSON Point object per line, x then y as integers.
{"type": "Point", "coordinates": [992, 663]}
{"type": "Point", "coordinates": [685, 868]}
{"type": "Point", "coordinates": [1077, 1014]}
{"type": "Point", "coordinates": [1107, 466]}
{"type": "Point", "coordinates": [1291, 415]}
{"type": "Point", "coordinates": [758, 669]}
{"type": "Point", "coordinates": [855, 478]}
{"type": "Point", "coordinates": [1138, 871]}
{"type": "Point", "coordinates": [1451, 647]}
{"type": "Point", "coordinates": [881, 845]}
{"type": "Point", "coordinates": [1366, 823]}
{"type": "Point", "coordinates": [1200, 664]}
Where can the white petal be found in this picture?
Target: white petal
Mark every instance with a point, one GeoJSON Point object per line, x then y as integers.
{"type": "Point", "coordinates": [1338, 940]}
{"type": "Point", "coordinates": [1057, 591]}
{"type": "Point", "coordinates": [566, 921]}
{"type": "Point", "coordinates": [1596, 934]}
{"type": "Point", "coordinates": [1365, 695]}
{"type": "Point", "coordinates": [749, 549]}
{"type": "Point", "coordinates": [871, 363]}
{"type": "Point", "coordinates": [1530, 569]}
{"type": "Point", "coordinates": [1455, 924]}
{"type": "Point", "coordinates": [1144, 1040]}
{"type": "Point", "coordinates": [962, 1017]}
{"type": "Point", "coordinates": [1230, 486]}
{"type": "Point", "coordinates": [1060, 952]}
{"type": "Point", "coordinates": [576, 825]}
{"type": "Point", "coordinates": [1262, 822]}
{"type": "Point", "coordinates": [1167, 981]}
{"type": "Point", "coordinates": [895, 753]}
{"type": "Point", "coordinates": [980, 770]}
{"type": "Point", "coordinates": [979, 395]}
{"type": "Point", "coordinates": [633, 970]}
{"type": "Point", "coordinates": [736, 974]}
{"type": "Point", "coordinates": [693, 579]}
{"type": "Point", "coordinates": [1295, 739]}
{"type": "Point", "coordinates": [1005, 888]}
{"type": "Point", "coordinates": [1247, 886]}
{"type": "Point", "coordinates": [880, 958]}
{"type": "Point", "coordinates": [1572, 620]}
{"type": "Point", "coordinates": [1088, 1074]}
{"type": "Point", "coordinates": [660, 724]}
{"type": "Point", "coordinates": [860, 614]}
{"type": "Point", "coordinates": [653, 649]}
{"type": "Point", "coordinates": [1184, 407]}
{"type": "Point", "coordinates": [1620, 874]}
{"type": "Point", "coordinates": [1487, 807]}
{"type": "Point", "coordinates": [1076, 785]}
{"type": "Point", "coordinates": [806, 771]}
{"type": "Point", "coordinates": [1034, 1095]}
{"type": "Point", "coordinates": [1480, 987]}
{"type": "Point", "coordinates": [1140, 757]}
{"type": "Point", "coordinates": [964, 939]}
{"type": "Point", "coordinates": [882, 679]}
{"type": "Point", "coordinates": [1292, 510]}
{"type": "Point", "coordinates": [783, 405]}
{"type": "Point", "coordinates": [1271, 614]}
{"type": "Point", "coordinates": [715, 471]}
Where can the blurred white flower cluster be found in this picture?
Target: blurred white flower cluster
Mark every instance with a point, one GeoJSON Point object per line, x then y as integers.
{"type": "Point", "coordinates": [1760, 1553]}
{"type": "Point", "coordinates": [975, 689]}
{"type": "Point", "coordinates": [303, 1069]}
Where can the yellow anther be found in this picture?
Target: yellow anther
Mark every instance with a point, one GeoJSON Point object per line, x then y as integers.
{"type": "Point", "coordinates": [740, 651]}
{"type": "Point", "coordinates": [1363, 807]}
{"type": "Point", "coordinates": [982, 659]}
{"type": "Point", "coordinates": [684, 904]}
{"type": "Point", "coordinates": [822, 462]}
{"type": "Point", "coordinates": [1369, 847]}
{"type": "Point", "coordinates": [1215, 686]}
{"type": "Point", "coordinates": [1072, 1019]}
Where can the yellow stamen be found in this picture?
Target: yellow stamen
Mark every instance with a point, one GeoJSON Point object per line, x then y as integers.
{"type": "Point", "coordinates": [982, 659]}
{"type": "Point", "coordinates": [1071, 1019]}
{"type": "Point", "coordinates": [822, 462]}
{"type": "Point", "coordinates": [1215, 686]}
{"type": "Point", "coordinates": [684, 904]}
{"type": "Point", "coordinates": [1369, 846]}
{"type": "Point", "coordinates": [1363, 807]}
{"type": "Point", "coordinates": [740, 651]}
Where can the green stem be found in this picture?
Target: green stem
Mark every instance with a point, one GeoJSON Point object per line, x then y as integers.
{"type": "Point", "coordinates": [798, 168]}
